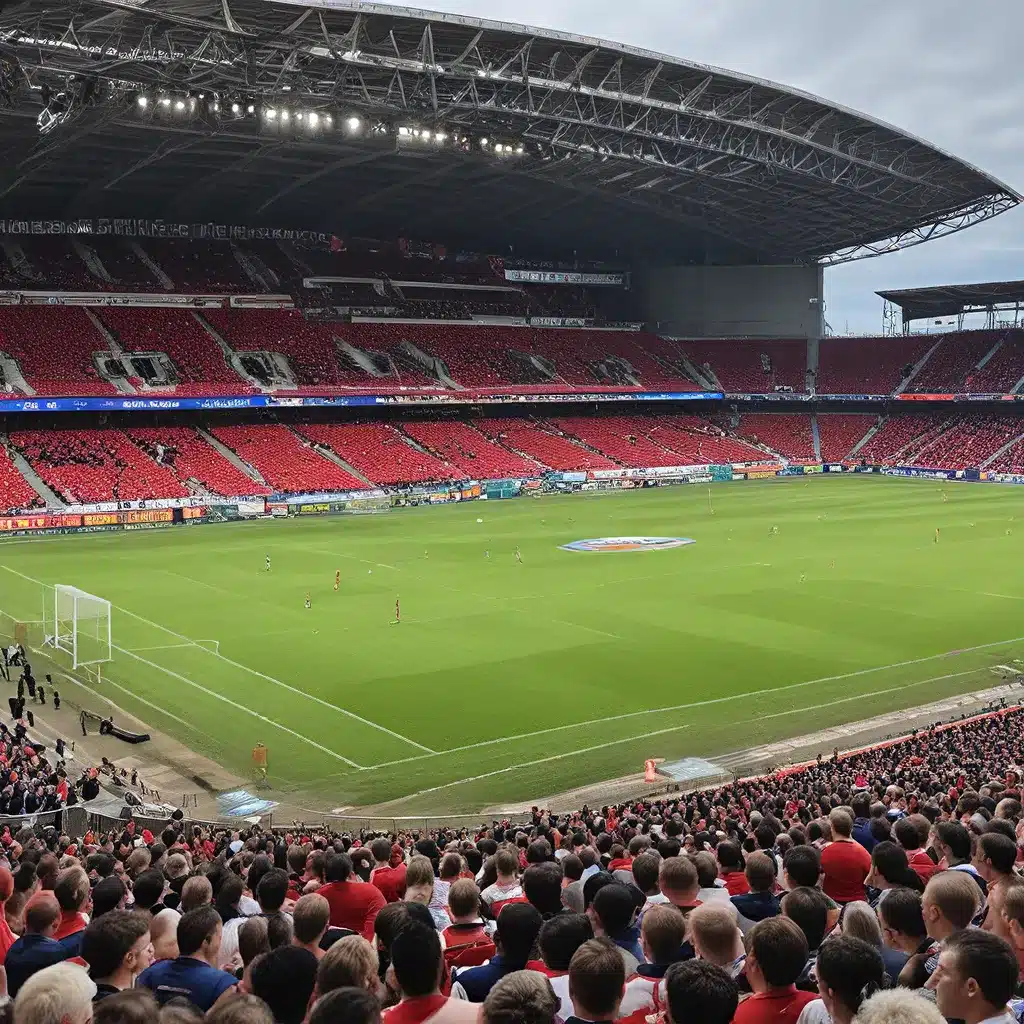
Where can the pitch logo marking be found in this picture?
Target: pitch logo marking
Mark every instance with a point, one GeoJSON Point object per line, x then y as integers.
{"type": "Point", "coordinates": [628, 544]}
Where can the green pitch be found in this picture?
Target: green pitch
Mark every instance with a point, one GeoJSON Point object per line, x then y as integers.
{"type": "Point", "coordinates": [508, 682]}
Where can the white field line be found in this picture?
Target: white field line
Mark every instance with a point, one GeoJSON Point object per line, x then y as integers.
{"type": "Point", "coordinates": [662, 732]}
{"type": "Point", "coordinates": [701, 703]}
{"type": "Point", "coordinates": [352, 558]}
{"type": "Point", "coordinates": [160, 647]}
{"type": "Point", "coordinates": [245, 668]}
{"type": "Point", "coordinates": [236, 706]}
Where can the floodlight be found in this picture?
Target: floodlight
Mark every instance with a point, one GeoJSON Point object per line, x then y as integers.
{"type": "Point", "coordinates": [403, 130]}
{"type": "Point", "coordinates": [353, 124]}
{"type": "Point", "coordinates": [165, 101]}
{"type": "Point", "coordinates": [314, 118]}
{"type": "Point", "coordinates": [180, 105]}
{"type": "Point", "coordinates": [328, 120]}
{"type": "Point", "coordinates": [235, 108]}
{"type": "Point", "coordinates": [298, 116]}
{"type": "Point", "coordinates": [520, 149]}
{"type": "Point", "coordinates": [143, 102]}
{"type": "Point", "coordinates": [271, 113]}
{"type": "Point", "coordinates": [284, 115]}
{"type": "Point", "coordinates": [250, 109]}
{"type": "Point", "coordinates": [439, 136]}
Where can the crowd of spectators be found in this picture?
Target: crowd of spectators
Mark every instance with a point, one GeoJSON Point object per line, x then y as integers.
{"type": "Point", "coordinates": [879, 886]}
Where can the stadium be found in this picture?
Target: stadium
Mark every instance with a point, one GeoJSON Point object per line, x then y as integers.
{"type": "Point", "coordinates": [313, 288]}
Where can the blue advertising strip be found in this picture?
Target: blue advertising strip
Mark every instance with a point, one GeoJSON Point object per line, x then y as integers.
{"type": "Point", "coordinates": [121, 403]}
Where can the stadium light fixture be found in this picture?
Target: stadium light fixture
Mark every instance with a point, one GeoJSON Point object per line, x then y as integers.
{"type": "Point", "coordinates": [440, 136]}
{"type": "Point", "coordinates": [251, 109]}
{"type": "Point", "coordinates": [271, 114]}
{"type": "Point", "coordinates": [353, 124]}
{"type": "Point", "coordinates": [328, 120]}
{"type": "Point", "coordinates": [484, 142]}
{"type": "Point", "coordinates": [143, 102]}
{"type": "Point", "coordinates": [403, 130]}
{"type": "Point", "coordinates": [284, 115]}
{"type": "Point", "coordinates": [235, 108]}
{"type": "Point", "coordinates": [298, 116]}
{"type": "Point", "coordinates": [520, 150]}
{"type": "Point", "coordinates": [314, 119]}
{"type": "Point", "coordinates": [180, 105]}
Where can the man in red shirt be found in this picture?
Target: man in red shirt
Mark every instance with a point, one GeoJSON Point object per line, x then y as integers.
{"type": "Point", "coordinates": [776, 957]}
{"type": "Point", "coordinates": [730, 864]}
{"type": "Point", "coordinates": [354, 904]}
{"type": "Point", "coordinates": [390, 880]}
{"type": "Point", "coordinates": [844, 862]}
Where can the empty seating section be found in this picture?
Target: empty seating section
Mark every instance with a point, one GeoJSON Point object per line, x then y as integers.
{"type": "Point", "coordinates": [287, 464]}
{"type": "Point", "coordinates": [381, 453]}
{"type": "Point", "coordinates": [752, 367]}
{"type": "Point", "coordinates": [309, 347]}
{"type": "Point", "coordinates": [16, 495]}
{"type": "Point", "coordinates": [122, 264]}
{"type": "Point", "coordinates": [189, 456]}
{"type": "Point", "coordinates": [200, 363]}
{"type": "Point", "coordinates": [949, 366]}
{"type": "Point", "coordinates": [548, 449]}
{"type": "Point", "coordinates": [789, 435]}
{"type": "Point", "coordinates": [897, 434]}
{"type": "Point", "coordinates": [698, 442]}
{"type": "Point", "coordinates": [866, 366]}
{"type": "Point", "coordinates": [199, 266]}
{"type": "Point", "coordinates": [621, 438]}
{"type": "Point", "coordinates": [54, 348]}
{"type": "Point", "coordinates": [96, 465]}
{"type": "Point", "coordinates": [464, 447]}
{"type": "Point", "coordinates": [1004, 371]}
{"type": "Point", "coordinates": [839, 432]}
{"type": "Point", "coordinates": [969, 443]}
{"type": "Point", "coordinates": [55, 264]}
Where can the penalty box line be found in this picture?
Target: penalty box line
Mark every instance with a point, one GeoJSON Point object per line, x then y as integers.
{"type": "Point", "coordinates": [245, 668]}
{"type": "Point", "coordinates": [705, 703]}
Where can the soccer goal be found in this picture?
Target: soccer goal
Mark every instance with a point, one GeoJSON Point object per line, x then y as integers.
{"type": "Point", "coordinates": [79, 624]}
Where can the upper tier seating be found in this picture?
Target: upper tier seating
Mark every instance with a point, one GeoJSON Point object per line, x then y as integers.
{"type": "Point", "coordinates": [199, 360]}
{"type": "Point", "coordinates": [1004, 371]}
{"type": "Point", "coordinates": [897, 434]}
{"type": "Point", "coordinates": [16, 494]}
{"type": "Point", "coordinates": [96, 465]}
{"type": "Point", "coordinates": [740, 364]}
{"type": "Point", "coordinates": [548, 449]}
{"type": "Point", "coordinates": [380, 452]}
{"type": "Point", "coordinates": [284, 461]}
{"type": "Point", "coordinates": [199, 266]}
{"type": "Point", "coordinates": [129, 273]}
{"type": "Point", "coordinates": [839, 432]}
{"type": "Point", "coordinates": [866, 366]}
{"type": "Point", "coordinates": [54, 346]}
{"type": "Point", "coordinates": [788, 434]}
{"type": "Point", "coordinates": [950, 365]}
{"type": "Point", "coordinates": [463, 446]}
{"type": "Point", "coordinates": [190, 456]}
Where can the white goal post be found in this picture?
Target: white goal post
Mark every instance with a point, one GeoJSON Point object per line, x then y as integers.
{"type": "Point", "coordinates": [79, 624]}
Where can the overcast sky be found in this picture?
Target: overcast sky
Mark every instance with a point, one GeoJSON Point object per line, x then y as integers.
{"type": "Point", "coordinates": [949, 71]}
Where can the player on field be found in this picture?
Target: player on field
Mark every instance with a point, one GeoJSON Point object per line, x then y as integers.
{"type": "Point", "coordinates": [309, 604]}
{"type": "Point", "coordinates": [337, 578]}
{"type": "Point", "coordinates": [936, 535]}
{"type": "Point", "coordinates": [398, 613]}
{"type": "Point", "coordinates": [519, 557]}
{"type": "Point", "coordinates": [268, 563]}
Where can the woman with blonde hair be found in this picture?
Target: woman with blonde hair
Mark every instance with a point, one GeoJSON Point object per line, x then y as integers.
{"type": "Point", "coordinates": [522, 997]}
{"type": "Point", "coordinates": [859, 921]}
{"type": "Point", "coordinates": [900, 1006]}
{"type": "Point", "coordinates": [419, 888]}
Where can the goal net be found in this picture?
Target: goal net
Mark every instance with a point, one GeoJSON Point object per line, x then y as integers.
{"type": "Point", "coordinates": [80, 626]}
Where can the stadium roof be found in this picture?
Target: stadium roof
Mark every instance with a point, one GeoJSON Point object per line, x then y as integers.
{"type": "Point", "coordinates": [954, 299]}
{"type": "Point", "coordinates": [622, 149]}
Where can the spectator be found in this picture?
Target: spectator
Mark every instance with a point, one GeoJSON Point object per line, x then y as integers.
{"type": "Point", "coordinates": [108, 894]}
{"type": "Point", "coordinates": [284, 979]}
{"type": "Point", "coordinates": [468, 927]}
{"type": "Point", "coordinates": [776, 956]}
{"type": "Point", "coordinates": [419, 888]}
{"type": "Point", "coordinates": [760, 902]}
{"type": "Point", "coordinates": [354, 904]}
{"type": "Point", "coordinates": [351, 962]}
{"type": "Point", "coordinates": [679, 883]}
{"type": "Point", "coordinates": [1013, 918]}
{"type": "Point", "coordinates": [731, 866]}
{"type": "Point", "coordinates": [859, 921]}
{"type": "Point", "coordinates": [523, 997]}
{"type": "Point", "coordinates": [949, 904]}
{"type": "Point", "coordinates": [507, 886]}
{"type": "Point", "coordinates": [850, 972]}
{"type": "Point", "coordinates": [909, 838]}
{"type": "Point", "coordinates": [74, 896]}
{"type": "Point", "coordinates": [194, 972]}
{"type": "Point", "coordinates": [388, 872]}
{"type": "Point", "coordinates": [310, 918]}
{"type": "Point", "coordinates": [148, 890]}
{"type": "Point", "coordinates": [542, 886]}
{"type": "Point", "coordinates": [596, 981]}
{"type": "Point", "coordinates": [163, 931]}
{"type": "Point", "coordinates": [613, 915]}
{"type": "Point", "coordinates": [196, 892]}
{"type": "Point", "coordinates": [37, 948]}
{"type": "Point", "coordinates": [802, 869]}
{"type": "Point", "coordinates": [242, 1009]}
{"type": "Point", "coordinates": [845, 864]}
{"type": "Point", "coordinates": [717, 939]}
{"type": "Point", "coordinates": [902, 926]}
{"type": "Point", "coordinates": [899, 1007]}
{"type": "Point", "coordinates": [662, 940]}
{"type": "Point", "coordinates": [418, 967]}
{"type": "Point", "coordinates": [994, 858]}
{"type": "Point", "coordinates": [808, 910]}
{"type": "Point", "coordinates": [559, 939]}
{"type": "Point", "coordinates": [976, 976]}
{"type": "Point", "coordinates": [117, 948]}
{"type": "Point", "coordinates": [518, 927]}
{"type": "Point", "coordinates": [351, 1005]}
{"type": "Point", "coordinates": [860, 804]}
{"type": "Point", "coordinates": [953, 844]}
{"type": "Point", "coordinates": [701, 993]}
{"type": "Point", "coordinates": [132, 1006]}
{"type": "Point", "coordinates": [890, 869]}
{"type": "Point", "coordinates": [59, 994]}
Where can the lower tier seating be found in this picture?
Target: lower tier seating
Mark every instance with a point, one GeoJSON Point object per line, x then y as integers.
{"type": "Point", "coordinates": [788, 434]}
{"type": "Point", "coordinates": [839, 432]}
{"type": "Point", "coordinates": [551, 450]}
{"type": "Point", "coordinates": [16, 495]}
{"type": "Point", "coordinates": [463, 446]}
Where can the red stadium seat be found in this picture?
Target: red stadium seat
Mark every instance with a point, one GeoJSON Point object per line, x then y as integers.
{"type": "Point", "coordinates": [840, 432]}
{"type": "Point", "coordinates": [788, 434]}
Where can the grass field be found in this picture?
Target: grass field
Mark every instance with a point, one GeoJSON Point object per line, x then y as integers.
{"type": "Point", "coordinates": [508, 681]}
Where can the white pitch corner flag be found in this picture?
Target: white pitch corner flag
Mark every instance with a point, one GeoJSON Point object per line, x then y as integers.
{"type": "Point", "coordinates": [81, 626]}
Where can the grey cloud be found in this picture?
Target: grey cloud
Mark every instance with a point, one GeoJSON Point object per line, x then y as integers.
{"type": "Point", "coordinates": [948, 71]}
